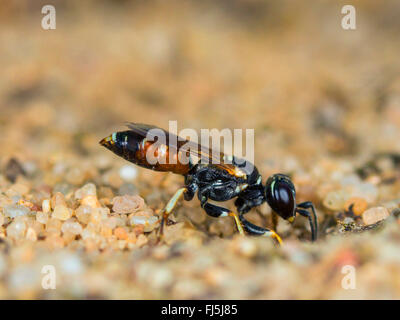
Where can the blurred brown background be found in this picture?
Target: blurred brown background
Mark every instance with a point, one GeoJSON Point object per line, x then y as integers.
{"type": "Point", "coordinates": [286, 69]}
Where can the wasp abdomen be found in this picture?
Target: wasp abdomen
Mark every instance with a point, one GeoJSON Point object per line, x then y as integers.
{"type": "Point", "coordinates": [149, 154]}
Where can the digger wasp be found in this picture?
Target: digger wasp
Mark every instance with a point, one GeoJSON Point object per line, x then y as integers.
{"type": "Point", "coordinates": [227, 178]}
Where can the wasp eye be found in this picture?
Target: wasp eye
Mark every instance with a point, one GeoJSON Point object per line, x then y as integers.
{"type": "Point", "coordinates": [281, 195]}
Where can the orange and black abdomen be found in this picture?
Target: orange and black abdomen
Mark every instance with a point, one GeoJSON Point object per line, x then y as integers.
{"type": "Point", "coordinates": [135, 147]}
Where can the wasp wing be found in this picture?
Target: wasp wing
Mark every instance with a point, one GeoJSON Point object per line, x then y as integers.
{"type": "Point", "coordinates": [152, 132]}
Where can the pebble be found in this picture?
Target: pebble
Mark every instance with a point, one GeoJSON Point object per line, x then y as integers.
{"type": "Point", "coordinates": [99, 214]}
{"type": "Point", "coordinates": [106, 192]}
{"type": "Point", "coordinates": [128, 173]}
{"type": "Point", "coordinates": [88, 233]}
{"type": "Point", "coordinates": [54, 241]}
{"type": "Point", "coordinates": [57, 199]}
{"type": "Point", "coordinates": [75, 176]}
{"type": "Point", "coordinates": [72, 226]}
{"type": "Point", "coordinates": [95, 216]}
{"type": "Point", "coordinates": [18, 189]}
{"type": "Point", "coordinates": [335, 200]}
{"type": "Point", "coordinates": [4, 200]}
{"type": "Point", "coordinates": [62, 212]}
{"type": "Point", "coordinates": [374, 215]}
{"type": "Point", "coordinates": [16, 229]}
{"type": "Point", "coordinates": [138, 229]}
{"type": "Point", "coordinates": [121, 233]}
{"type": "Point", "coordinates": [91, 201]}
{"type": "Point", "coordinates": [35, 225]}
{"type": "Point", "coordinates": [141, 240]}
{"type": "Point", "coordinates": [46, 207]}
{"type": "Point", "coordinates": [245, 246]}
{"type": "Point", "coordinates": [149, 223]}
{"type": "Point", "coordinates": [88, 189]}
{"type": "Point", "coordinates": [68, 237]}
{"type": "Point", "coordinates": [113, 179]}
{"type": "Point", "coordinates": [15, 210]}
{"type": "Point", "coordinates": [27, 204]}
{"type": "Point", "coordinates": [42, 217]}
{"type": "Point", "coordinates": [83, 213]}
{"type": "Point", "coordinates": [106, 231]}
{"type": "Point", "coordinates": [359, 205]}
{"type": "Point", "coordinates": [53, 226]}
{"type": "Point", "coordinates": [31, 234]}
{"type": "Point", "coordinates": [127, 204]}
{"type": "Point", "coordinates": [131, 238]}
{"type": "Point", "coordinates": [111, 222]}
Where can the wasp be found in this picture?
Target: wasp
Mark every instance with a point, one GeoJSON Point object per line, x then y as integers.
{"type": "Point", "coordinates": [222, 180]}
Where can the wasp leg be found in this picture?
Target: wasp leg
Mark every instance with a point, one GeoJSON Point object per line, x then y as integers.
{"type": "Point", "coordinates": [259, 231]}
{"type": "Point", "coordinates": [313, 225]}
{"type": "Point", "coordinates": [216, 211]}
{"type": "Point", "coordinates": [168, 209]}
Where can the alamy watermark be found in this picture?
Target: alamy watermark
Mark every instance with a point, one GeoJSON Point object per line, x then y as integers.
{"type": "Point", "coordinates": [349, 280]}
{"type": "Point", "coordinates": [49, 20]}
{"type": "Point", "coordinates": [349, 18]}
{"type": "Point", "coordinates": [49, 278]}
